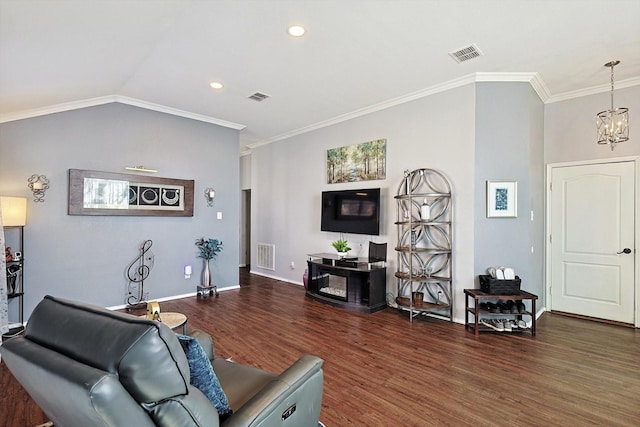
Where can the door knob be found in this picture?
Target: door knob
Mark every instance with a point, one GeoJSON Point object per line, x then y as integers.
{"type": "Point", "coordinates": [624, 251]}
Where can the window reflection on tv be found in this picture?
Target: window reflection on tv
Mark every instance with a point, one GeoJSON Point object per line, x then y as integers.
{"type": "Point", "coordinates": [350, 208]}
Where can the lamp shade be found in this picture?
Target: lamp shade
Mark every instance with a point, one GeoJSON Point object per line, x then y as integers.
{"type": "Point", "coordinates": [14, 211]}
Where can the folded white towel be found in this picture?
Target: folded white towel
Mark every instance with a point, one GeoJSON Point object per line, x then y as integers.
{"type": "Point", "coordinates": [509, 274]}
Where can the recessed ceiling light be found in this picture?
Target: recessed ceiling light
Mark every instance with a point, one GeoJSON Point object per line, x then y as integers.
{"type": "Point", "coordinates": [296, 31]}
{"type": "Point", "coordinates": [216, 85]}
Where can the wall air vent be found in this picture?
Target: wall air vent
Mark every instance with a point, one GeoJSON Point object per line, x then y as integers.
{"type": "Point", "coordinates": [466, 53]}
{"type": "Point", "coordinates": [259, 96]}
{"type": "Point", "coordinates": [266, 256]}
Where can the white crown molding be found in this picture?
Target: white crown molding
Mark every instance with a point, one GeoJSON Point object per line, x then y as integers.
{"type": "Point", "coordinates": [58, 108]}
{"type": "Point", "coordinates": [533, 78]}
{"type": "Point", "coordinates": [177, 112]}
{"type": "Point", "coordinates": [75, 105]}
{"type": "Point", "coordinates": [504, 77]}
{"type": "Point", "coordinates": [621, 84]}
{"type": "Point", "coordinates": [541, 88]}
{"type": "Point", "coordinates": [371, 109]}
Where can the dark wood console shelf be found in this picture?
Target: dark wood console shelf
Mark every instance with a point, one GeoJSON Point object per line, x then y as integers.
{"type": "Point", "coordinates": [351, 283]}
{"type": "Point", "coordinates": [477, 295]}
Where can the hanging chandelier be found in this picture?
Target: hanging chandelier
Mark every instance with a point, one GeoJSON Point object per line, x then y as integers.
{"type": "Point", "coordinates": [613, 124]}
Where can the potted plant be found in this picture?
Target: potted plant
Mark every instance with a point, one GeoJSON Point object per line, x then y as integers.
{"type": "Point", "coordinates": [208, 249]}
{"type": "Point", "coordinates": [341, 246]}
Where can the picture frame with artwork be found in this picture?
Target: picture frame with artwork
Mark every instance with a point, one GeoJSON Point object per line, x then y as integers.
{"type": "Point", "coordinates": [108, 193]}
{"type": "Point", "coordinates": [502, 199]}
{"type": "Point", "coordinates": [359, 162]}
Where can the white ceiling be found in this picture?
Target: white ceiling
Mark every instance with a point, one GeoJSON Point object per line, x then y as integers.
{"type": "Point", "coordinates": [357, 55]}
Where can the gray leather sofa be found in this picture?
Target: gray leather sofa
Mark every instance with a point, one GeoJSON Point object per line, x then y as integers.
{"type": "Point", "coordinates": [88, 366]}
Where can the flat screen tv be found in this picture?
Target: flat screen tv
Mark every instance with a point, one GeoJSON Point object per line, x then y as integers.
{"type": "Point", "coordinates": [351, 211]}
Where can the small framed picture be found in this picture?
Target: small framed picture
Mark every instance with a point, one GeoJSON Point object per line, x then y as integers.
{"type": "Point", "coordinates": [502, 199]}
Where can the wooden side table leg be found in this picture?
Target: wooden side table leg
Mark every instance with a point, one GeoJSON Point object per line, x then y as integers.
{"type": "Point", "coordinates": [475, 314]}
{"type": "Point", "coordinates": [533, 317]}
{"type": "Point", "coordinates": [466, 311]}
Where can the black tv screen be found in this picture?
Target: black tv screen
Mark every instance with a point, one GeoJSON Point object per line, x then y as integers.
{"type": "Point", "coordinates": [351, 211]}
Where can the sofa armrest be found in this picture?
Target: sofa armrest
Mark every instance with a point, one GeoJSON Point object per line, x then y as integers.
{"type": "Point", "coordinates": [193, 409]}
{"type": "Point", "coordinates": [293, 399]}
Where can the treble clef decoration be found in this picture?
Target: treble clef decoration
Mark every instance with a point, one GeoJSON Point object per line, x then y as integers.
{"type": "Point", "coordinates": [137, 274]}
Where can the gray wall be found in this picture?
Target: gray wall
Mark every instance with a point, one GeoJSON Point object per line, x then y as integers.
{"type": "Point", "coordinates": [509, 144]}
{"type": "Point", "coordinates": [536, 273]}
{"type": "Point", "coordinates": [84, 257]}
{"type": "Point", "coordinates": [289, 176]}
{"type": "Point", "coordinates": [570, 127]}
{"type": "Point", "coordinates": [472, 134]}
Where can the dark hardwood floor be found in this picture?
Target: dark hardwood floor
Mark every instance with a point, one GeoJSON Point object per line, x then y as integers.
{"type": "Point", "coordinates": [382, 370]}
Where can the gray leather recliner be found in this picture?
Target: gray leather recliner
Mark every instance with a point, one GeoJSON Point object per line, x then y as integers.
{"type": "Point", "coordinates": [88, 366]}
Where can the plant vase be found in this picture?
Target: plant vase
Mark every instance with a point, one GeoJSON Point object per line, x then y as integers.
{"type": "Point", "coordinates": [342, 247]}
{"type": "Point", "coordinates": [206, 274]}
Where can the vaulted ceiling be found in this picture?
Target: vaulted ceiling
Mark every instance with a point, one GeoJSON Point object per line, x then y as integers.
{"type": "Point", "coordinates": [356, 55]}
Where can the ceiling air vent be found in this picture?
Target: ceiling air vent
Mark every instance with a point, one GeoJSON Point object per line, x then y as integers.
{"type": "Point", "coordinates": [466, 53]}
{"type": "Point", "coordinates": [259, 96]}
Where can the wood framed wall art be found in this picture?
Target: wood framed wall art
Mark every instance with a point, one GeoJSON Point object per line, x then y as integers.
{"type": "Point", "coordinates": [109, 193]}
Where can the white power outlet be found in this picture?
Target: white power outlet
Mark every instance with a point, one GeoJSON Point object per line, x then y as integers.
{"type": "Point", "coordinates": [292, 265]}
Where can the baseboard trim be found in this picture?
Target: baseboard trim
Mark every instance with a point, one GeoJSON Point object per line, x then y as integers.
{"type": "Point", "coordinates": [173, 297]}
{"type": "Point", "coordinates": [271, 276]}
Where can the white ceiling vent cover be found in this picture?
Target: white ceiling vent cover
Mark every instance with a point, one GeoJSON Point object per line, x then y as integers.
{"type": "Point", "coordinates": [466, 53]}
{"type": "Point", "coordinates": [259, 96]}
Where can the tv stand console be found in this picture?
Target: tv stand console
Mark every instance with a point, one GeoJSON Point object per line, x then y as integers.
{"type": "Point", "coordinates": [351, 283]}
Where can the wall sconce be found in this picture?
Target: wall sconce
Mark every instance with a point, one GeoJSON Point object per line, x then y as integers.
{"type": "Point", "coordinates": [38, 184]}
{"type": "Point", "coordinates": [209, 194]}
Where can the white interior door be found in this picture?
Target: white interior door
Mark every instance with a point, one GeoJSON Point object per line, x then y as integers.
{"type": "Point", "coordinates": [592, 223]}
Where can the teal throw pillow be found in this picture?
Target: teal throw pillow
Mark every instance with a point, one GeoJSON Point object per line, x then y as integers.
{"type": "Point", "coordinates": [202, 375]}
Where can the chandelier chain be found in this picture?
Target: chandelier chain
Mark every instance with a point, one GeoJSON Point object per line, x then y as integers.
{"type": "Point", "coordinates": [612, 66]}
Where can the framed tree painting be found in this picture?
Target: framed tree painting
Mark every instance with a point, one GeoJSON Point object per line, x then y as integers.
{"type": "Point", "coordinates": [360, 162]}
{"type": "Point", "coordinates": [502, 199]}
